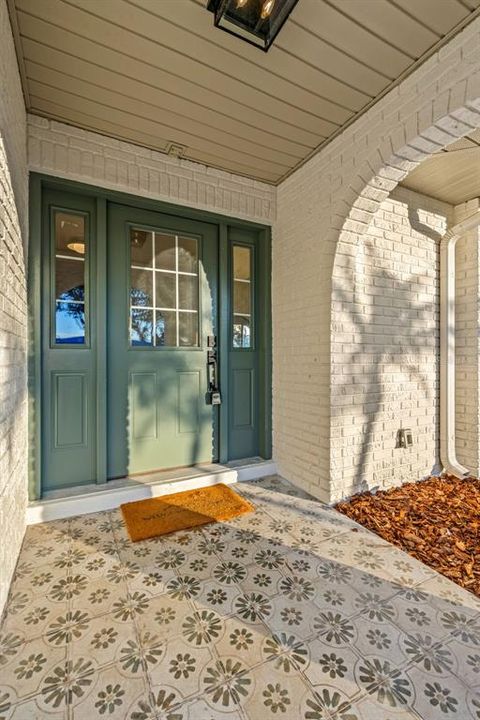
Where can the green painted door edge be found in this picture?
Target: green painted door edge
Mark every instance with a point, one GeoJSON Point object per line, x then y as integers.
{"type": "Point", "coordinates": [34, 288]}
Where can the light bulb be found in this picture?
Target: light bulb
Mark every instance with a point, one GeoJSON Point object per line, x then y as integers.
{"type": "Point", "coordinates": [78, 247]}
{"type": "Point", "coordinates": [267, 8]}
{"type": "Point", "coordinates": [241, 3]}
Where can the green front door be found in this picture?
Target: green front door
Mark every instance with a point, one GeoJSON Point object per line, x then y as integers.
{"type": "Point", "coordinates": [161, 311]}
{"type": "Point", "coordinates": [126, 296]}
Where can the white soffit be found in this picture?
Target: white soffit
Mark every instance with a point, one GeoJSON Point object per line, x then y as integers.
{"type": "Point", "coordinates": [452, 175]}
{"type": "Point", "coordinates": [156, 72]}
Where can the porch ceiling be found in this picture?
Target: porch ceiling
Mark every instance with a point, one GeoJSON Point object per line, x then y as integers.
{"type": "Point", "coordinates": [451, 175]}
{"type": "Point", "coordinates": [156, 72]}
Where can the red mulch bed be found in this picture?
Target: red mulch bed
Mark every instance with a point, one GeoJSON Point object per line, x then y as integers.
{"type": "Point", "coordinates": [436, 520]}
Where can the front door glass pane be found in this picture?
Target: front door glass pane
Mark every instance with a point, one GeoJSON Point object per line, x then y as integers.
{"type": "Point", "coordinates": [242, 296]}
{"type": "Point", "coordinates": [70, 252]}
{"type": "Point", "coordinates": [164, 290]}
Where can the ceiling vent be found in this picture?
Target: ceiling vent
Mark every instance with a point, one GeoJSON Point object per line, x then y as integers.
{"type": "Point", "coordinates": [176, 150]}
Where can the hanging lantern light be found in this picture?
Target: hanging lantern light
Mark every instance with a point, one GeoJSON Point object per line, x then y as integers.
{"type": "Point", "coordinates": [256, 21]}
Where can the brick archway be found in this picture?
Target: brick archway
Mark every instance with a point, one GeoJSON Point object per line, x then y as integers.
{"type": "Point", "coordinates": [363, 420]}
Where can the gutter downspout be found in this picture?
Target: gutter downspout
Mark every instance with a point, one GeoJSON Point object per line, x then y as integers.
{"type": "Point", "coordinates": [448, 455]}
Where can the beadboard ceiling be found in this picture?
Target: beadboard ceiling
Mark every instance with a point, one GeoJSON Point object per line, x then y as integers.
{"type": "Point", "coordinates": [157, 73]}
{"type": "Point", "coordinates": [452, 175]}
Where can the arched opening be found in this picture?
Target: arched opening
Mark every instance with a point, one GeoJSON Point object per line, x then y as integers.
{"type": "Point", "coordinates": [385, 320]}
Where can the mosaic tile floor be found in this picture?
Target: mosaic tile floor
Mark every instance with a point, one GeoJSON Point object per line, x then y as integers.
{"type": "Point", "coordinates": [293, 612]}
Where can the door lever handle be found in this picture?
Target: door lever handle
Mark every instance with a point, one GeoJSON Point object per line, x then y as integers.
{"type": "Point", "coordinates": [212, 371]}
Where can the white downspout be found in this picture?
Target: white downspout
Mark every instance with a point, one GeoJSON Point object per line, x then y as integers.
{"type": "Point", "coordinates": [448, 455]}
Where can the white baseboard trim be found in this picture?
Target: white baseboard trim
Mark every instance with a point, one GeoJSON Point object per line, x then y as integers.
{"type": "Point", "coordinates": [257, 470]}
{"type": "Point", "coordinates": [82, 504]}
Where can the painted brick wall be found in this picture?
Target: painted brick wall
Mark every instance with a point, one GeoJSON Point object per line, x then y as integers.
{"type": "Point", "coordinates": [68, 152]}
{"type": "Point", "coordinates": [467, 342]}
{"type": "Point", "coordinates": [385, 346]}
{"type": "Point", "coordinates": [337, 193]}
{"type": "Point", "coordinates": [13, 224]}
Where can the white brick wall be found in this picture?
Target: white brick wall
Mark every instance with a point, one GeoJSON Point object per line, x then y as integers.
{"type": "Point", "coordinates": [385, 346]}
{"type": "Point", "coordinates": [336, 194]}
{"type": "Point", "coordinates": [68, 152]}
{"type": "Point", "coordinates": [467, 347]}
{"type": "Point", "coordinates": [13, 224]}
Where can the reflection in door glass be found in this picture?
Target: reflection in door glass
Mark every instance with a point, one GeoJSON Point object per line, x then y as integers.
{"type": "Point", "coordinates": [164, 290]}
{"type": "Point", "coordinates": [242, 296]}
{"type": "Point", "coordinates": [70, 251]}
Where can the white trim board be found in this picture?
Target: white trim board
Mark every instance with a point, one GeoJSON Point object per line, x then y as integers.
{"type": "Point", "coordinates": [111, 498]}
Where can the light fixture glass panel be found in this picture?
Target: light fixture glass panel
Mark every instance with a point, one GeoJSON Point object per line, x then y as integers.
{"type": "Point", "coordinates": [141, 249]}
{"type": "Point", "coordinates": [256, 21]}
{"type": "Point", "coordinates": [69, 231]}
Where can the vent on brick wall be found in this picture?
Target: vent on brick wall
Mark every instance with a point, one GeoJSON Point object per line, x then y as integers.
{"type": "Point", "coordinates": [176, 150]}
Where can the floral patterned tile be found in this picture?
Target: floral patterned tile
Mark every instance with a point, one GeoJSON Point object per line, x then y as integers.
{"type": "Point", "coordinates": [330, 665]}
{"type": "Point", "coordinates": [151, 580]}
{"type": "Point", "coordinates": [164, 703]}
{"type": "Point", "coordinates": [251, 578]}
{"type": "Point", "coordinates": [180, 665]}
{"type": "Point", "coordinates": [213, 595]}
{"type": "Point", "coordinates": [112, 695]}
{"type": "Point", "coordinates": [227, 684]}
{"type": "Point", "coordinates": [101, 639]}
{"type": "Point", "coordinates": [244, 641]}
{"type": "Point", "coordinates": [43, 553]}
{"type": "Point", "coordinates": [387, 684]}
{"type": "Point", "coordinates": [24, 666]}
{"type": "Point", "coordinates": [275, 693]}
{"type": "Point", "coordinates": [415, 614]}
{"type": "Point", "coordinates": [34, 618]}
{"type": "Point", "coordinates": [291, 616]}
{"type": "Point", "coordinates": [326, 701]}
{"type": "Point", "coordinates": [36, 579]}
{"type": "Point", "coordinates": [444, 696]}
{"type": "Point", "coordinates": [381, 637]}
{"type": "Point", "coordinates": [164, 616]}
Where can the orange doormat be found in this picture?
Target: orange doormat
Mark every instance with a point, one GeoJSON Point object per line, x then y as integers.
{"type": "Point", "coordinates": [158, 516]}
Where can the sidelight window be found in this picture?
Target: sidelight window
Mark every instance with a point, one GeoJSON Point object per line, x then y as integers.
{"type": "Point", "coordinates": [242, 296]}
{"type": "Point", "coordinates": [164, 289]}
{"type": "Point", "coordinates": [70, 248]}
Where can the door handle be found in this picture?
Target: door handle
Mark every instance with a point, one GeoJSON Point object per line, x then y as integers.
{"type": "Point", "coordinates": [212, 371]}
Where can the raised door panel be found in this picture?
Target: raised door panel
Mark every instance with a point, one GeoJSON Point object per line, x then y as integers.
{"type": "Point", "coordinates": [69, 409]}
{"type": "Point", "coordinates": [243, 401]}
